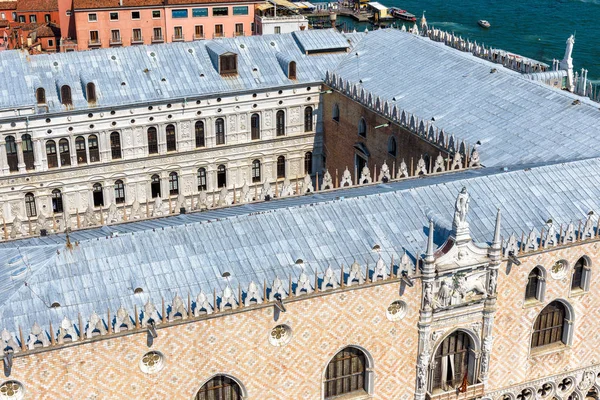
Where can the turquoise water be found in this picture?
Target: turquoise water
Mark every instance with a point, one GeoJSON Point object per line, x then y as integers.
{"type": "Point", "coordinates": [534, 28]}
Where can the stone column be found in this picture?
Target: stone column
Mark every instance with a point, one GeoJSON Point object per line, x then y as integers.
{"type": "Point", "coordinates": [20, 158]}
{"type": "Point", "coordinates": [162, 138]}
{"type": "Point", "coordinates": [87, 150]}
{"type": "Point", "coordinates": [3, 161]}
{"type": "Point", "coordinates": [72, 151]}
{"type": "Point", "coordinates": [37, 155]}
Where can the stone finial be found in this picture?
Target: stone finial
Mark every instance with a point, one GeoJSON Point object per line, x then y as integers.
{"type": "Point", "coordinates": [245, 195]}
{"type": "Point", "coordinates": [67, 331]}
{"type": "Point", "coordinates": [457, 162]}
{"type": "Point", "coordinates": [122, 319]}
{"type": "Point", "coordinates": [474, 161]}
{"type": "Point", "coordinates": [307, 186]}
{"type": "Point", "coordinates": [421, 167]}
{"type": "Point", "coordinates": [384, 173]}
{"type": "Point", "coordinates": [42, 222]}
{"type": "Point", "coordinates": [327, 181]}
{"type": "Point", "coordinates": [379, 271]}
{"type": "Point", "coordinates": [512, 246]}
{"type": "Point", "coordinates": [95, 324]}
{"type": "Point", "coordinates": [113, 214]}
{"type": "Point", "coordinates": [277, 288]}
{"type": "Point", "coordinates": [550, 240]}
{"type": "Point", "coordinates": [16, 228]}
{"type": "Point", "coordinates": [405, 262]}
{"type": "Point", "coordinates": [150, 314]}
{"type": "Point", "coordinates": [9, 342]}
{"type": "Point", "coordinates": [429, 253]}
{"type": "Point", "coordinates": [403, 170]}
{"type": "Point", "coordinates": [37, 336]}
{"type": "Point", "coordinates": [303, 284]}
{"type": "Point", "coordinates": [223, 196]}
{"type": "Point", "coordinates": [286, 189]}
{"type": "Point", "coordinates": [253, 293]}
{"type": "Point", "coordinates": [365, 176]}
{"type": "Point", "coordinates": [227, 299]}
{"type": "Point", "coordinates": [89, 216]}
{"type": "Point", "coordinates": [177, 309]}
{"type": "Point", "coordinates": [202, 305]}
{"type": "Point", "coordinates": [531, 244]}
{"type": "Point", "coordinates": [346, 178]}
{"type": "Point", "coordinates": [588, 227]}
{"type": "Point", "coordinates": [329, 279]}
{"type": "Point", "coordinates": [439, 166]}
{"type": "Point", "coordinates": [136, 210]}
{"type": "Point", "coordinates": [569, 236]}
{"type": "Point", "coordinates": [496, 244]}
{"type": "Point", "coordinates": [266, 190]}
{"type": "Point", "coordinates": [355, 274]}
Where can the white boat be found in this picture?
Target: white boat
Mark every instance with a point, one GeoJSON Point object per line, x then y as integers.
{"type": "Point", "coordinates": [483, 23]}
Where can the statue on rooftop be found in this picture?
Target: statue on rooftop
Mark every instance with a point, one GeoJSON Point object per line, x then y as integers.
{"type": "Point", "coordinates": [461, 207]}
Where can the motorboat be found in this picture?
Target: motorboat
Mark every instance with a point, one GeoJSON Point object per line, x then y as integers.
{"type": "Point", "coordinates": [483, 23]}
{"type": "Point", "coordinates": [402, 14]}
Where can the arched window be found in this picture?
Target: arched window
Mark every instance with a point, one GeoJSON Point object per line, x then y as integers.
{"type": "Point", "coordinates": [202, 179]}
{"type": "Point", "coordinates": [115, 145]}
{"type": "Point", "coordinates": [292, 70]}
{"type": "Point", "coordinates": [221, 176]}
{"type": "Point", "coordinates": [220, 130]}
{"type": "Point", "coordinates": [346, 373]}
{"type": "Point", "coordinates": [30, 208]}
{"type": "Point", "coordinates": [152, 140]}
{"type": "Point", "coordinates": [255, 127]}
{"type": "Point", "coordinates": [280, 123]}
{"type": "Point", "coordinates": [454, 360]}
{"type": "Point", "coordinates": [155, 186]}
{"type": "Point", "coordinates": [536, 285]}
{"type": "Point", "coordinates": [65, 95]}
{"type": "Point", "coordinates": [308, 163]}
{"type": "Point", "coordinates": [171, 140]}
{"type": "Point", "coordinates": [40, 95]}
{"type": "Point", "coordinates": [27, 146]}
{"type": "Point", "coordinates": [94, 150]}
{"type": "Point", "coordinates": [362, 128]}
{"type": "Point", "coordinates": [336, 113]}
{"type": "Point", "coordinates": [256, 171]}
{"type": "Point", "coordinates": [220, 388]}
{"type": "Point", "coordinates": [392, 146]}
{"type": "Point", "coordinates": [581, 275]}
{"type": "Point", "coordinates": [119, 192]}
{"type": "Point", "coordinates": [57, 204]}
{"type": "Point", "coordinates": [90, 92]}
{"type": "Point", "coordinates": [308, 119]}
{"type": "Point", "coordinates": [550, 326]}
{"type": "Point", "coordinates": [281, 167]}
{"type": "Point", "coordinates": [65, 154]}
{"type": "Point", "coordinates": [11, 154]}
{"type": "Point", "coordinates": [80, 150]}
{"type": "Point", "coordinates": [173, 183]}
{"type": "Point", "coordinates": [51, 154]}
{"type": "Point", "coordinates": [98, 195]}
{"type": "Point", "coordinates": [200, 134]}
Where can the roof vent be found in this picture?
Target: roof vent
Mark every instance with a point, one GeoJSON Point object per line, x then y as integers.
{"type": "Point", "coordinates": [576, 102]}
{"type": "Point", "coordinates": [56, 304]}
{"type": "Point", "coordinates": [225, 274]}
{"type": "Point", "coordinates": [299, 261]}
{"type": "Point", "coordinates": [242, 46]}
{"type": "Point", "coordinates": [153, 54]}
{"type": "Point", "coordinates": [273, 44]}
{"type": "Point", "coordinates": [113, 58]}
{"type": "Point", "coordinates": [191, 51]}
{"type": "Point", "coordinates": [376, 247]}
{"type": "Point", "coordinates": [138, 290]}
{"type": "Point", "coordinates": [55, 64]}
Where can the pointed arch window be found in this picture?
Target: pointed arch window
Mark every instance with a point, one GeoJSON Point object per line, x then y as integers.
{"type": "Point", "coordinates": [392, 146]}
{"type": "Point", "coordinates": [65, 95]}
{"type": "Point", "coordinates": [98, 195]}
{"type": "Point", "coordinates": [255, 171]}
{"type": "Point", "coordinates": [280, 123]}
{"type": "Point", "coordinates": [581, 275]}
{"type": "Point", "coordinates": [200, 142]}
{"type": "Point", "coordinates": [90, 91]}
{"type": "Point", "coordinates": [152, 140]}
{"type": "Point", "coordinates": [292, 70]}
{"type": "Point", "coordinates": [220, 388]}
{"type": "Point", "coordinates": [11, 154]}
{"type": "Point", "coordinates": [362, 128]}
{"type": "Point", "coordinates": [221, 176]}
{"type": "Point", "coordinates": [65, 154]}
{"type": "Point", "coordinates": [173, 183]}
{"type": "Point", "coordinates": [171, 139]}
{"type": "Point", "coordinates": [93, 147]}
{"type": "Point", "coordinates": [255, 127]}
{"type": "Point", "coordinates": [40, 95]}
{"type": "Point", "coordinates": [51, 154]}
{"type": "Point", "coordinates": [308, 163]}
{"type": "Point", "coordinates": [220, 131]}
{"type": "Point", "coordinates": [308, 119]}
{"type": "Point", "coordinates": [30, 208]}
{"type": "Point", "coordinates": [550, 326]}
{"type": "Point", "coordinates": [119, 192]}
{"type": "Point", "coordinates": [28, 155]}
{"type": "Point", "coordinates": [281, 167]}
{"type": "Point", "coordinates": [202, 179]}
{"type": "Point", "coordinates": [80, 150]}
{"type": "Point", "coordinates": [454, 360]}
{"type": "Point", "coordinates": [115, 145]}
{"type": "Point", "coordinates": [155, 186]}
{"type": "Point", "coordinates": [536, 285]}
{"type": "Point", "coordinates": [336, 113]}
{"type": "Point", "coordinates": [346, 373]}
{"type": "Point", "coordinates": [57, 203]}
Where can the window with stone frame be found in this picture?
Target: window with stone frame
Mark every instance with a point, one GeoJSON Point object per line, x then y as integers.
{"type": "Point", "coordinates": [581, 277]}
{"type": "Point", "coordinates": [57, 203]}
{"type": "Point", "coordinates": [220, 131]}
{"type": "Point", "coordinates": [80, 150]}
{"type": "Point", "coordinates": [11, 154]}
{"type": "Point", "coordinates": [308, 119]}
{"type": "Point", "coordinates": [155, 190]}
{"type": "Point", "coordinates": [453, 359]}
{"type": "Point", "coordinates": [199, 131]}
{"type": "Point", "coordinates": [30, 208]}
{"type": "Point", "coordinates": [280, 123]}
{"type": "Point", "coordinates": [220, 388]}
{"type": "Point", "coordinates": [549, 326]}
{"type": "Point", "coordinates": [536, 285]}
{"type": "Point", "coordinates": [28, 154]}
{"type": "Point", "coordinates": [98, 195]}
{"type": "Point", "coordinates": [281, 167]}
{"type": "Point", "coordinates": [346, 373]}
{"type": "Point", "coordinates": [308, 163]}
{"type": "Point", "coordinates": [119, 192]}
{"type": "Point", "coordinates": [202, 179]}
{"type": "Point", "coordinates": [51, 155]}
{"type": "Point", "coordinates": [65, 153]}
{"type": "Point", "coordinates": [173, 183]}
{"type": "Point", "coordinates": [115, 145]}
{"type": "Point", "coordinates": [255, 171]}
{"type": "Point", "coordinates": [152, 140]}
{"type": "Point", "coordinates": [93, 148]}
{"type": "Point", "coordinates": [171, 138]}
{"type": "Point", "coordinates": [255, 127]}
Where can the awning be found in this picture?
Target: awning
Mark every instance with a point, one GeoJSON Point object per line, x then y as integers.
{"type": "Point", "coordinates": [264, 6]}
{"type": "Point", "coordinates": [284, 3]}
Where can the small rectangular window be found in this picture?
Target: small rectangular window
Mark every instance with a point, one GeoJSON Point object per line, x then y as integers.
{"type": "Point", "coordinates": [199, 12]}
{"type": "Point", "coordinates": [220, 11]}
{"type": "Point", "coordinates": [115, 36]}
{"type": "Point", "coordinates": [135, 15]}
{"type": "Point", "coordinates": [277, 29]}
{"type": "Point", "coordinates": [219, 31]}
{"type": "Point", "coordinates": [92, 17]}
{"type": "Point", "coordinates": [240, 10]}
{"type": "Point", "coordinates": [199, 32]}
{"type": "Point", "coordinates": [178, 33]}
{"type": "Point", "coordinates": [156, 14]}
{"type": "Point", "coordinates": [32, 19]}
{"type": "Point", "coordinates": [239, 29]}
{"type": "Point", "coordinates": [158, 34]}
{"type": "Point", "coordinates": [47, 17]}
{"type": "Point", "coordinates": [50, 43]}
{"type": "Point", "coordinates": [137, 35]}
{"type": "Point", "coordinates": [114, 16]}
{"type": "Point", "coordinates": [179, 13]}
{"type": "Point", "coordinates": [94, 37]}
{"type": "Point", "coordinates": [21, 18]}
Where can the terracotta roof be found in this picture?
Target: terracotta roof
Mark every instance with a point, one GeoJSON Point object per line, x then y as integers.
{"type": "Point", "coordinates": [188, 2]}
{"type": "Point", "coordinates": [94, 4]}
{"type": "Point", "coordinates": [37, 5]}
{"type": "Point", "coordinates": [47, 30]}
{"type": "Point", "coordinates": [8, 5]}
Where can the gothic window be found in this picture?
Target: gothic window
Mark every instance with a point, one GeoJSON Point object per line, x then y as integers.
{"type": "Point", "coordinates": [65, 154]}
{"type": "Point", "coordinates": [200, 134]}
{"type": "Point", "coordinates": [27, 146]}
{"type": "Point", "coordinates": [362, 128]}
{"type": "Point", "coordinates": [220, 388]}
{"type": "Point", "coordinates": [346, 373]}
{"type": "Point", "coordinates": [51, 154]}
{"type": "Point", "coordinates": [255, 127]}
{"type": "Point", "coordinates": [220, 130]}
{"type": "Point", "coordinates": [152, 140]}
{"type": "Point", "coordinates": [292, 70]}
{"type": "Point", "coordinates": [281, 167]}
{"type": "Point", "coordinates": [11, 154]}
{"type": "Point", "coordinates": [308, 119]}
{"type": "Point", "coordinates": [155, 186]}
{"type": "Point", "coordinates": [581, 275]}
{"type": "Point", "coordinates": [201, 179]}
{"type": "Point", "coordinates": [80, 150]}
{"type": "Point", "coordinates": [98, 195]}
{"type": "Point", "coordinates": [536, 285]}
{"type": "Point", "coordinates": [93, 147]}
{"type": "Point", "coordinates": [119, 192]}
{"type": "Point", "coordinates": [308, 163]}
{"type": "Point", "coordinates": [57, 204]}
{"type": "Point", "coordinates": [453, 360]}
{"type": "Point", "coordinates": [550, 326]}
{"type": "Point", "coordinates": [115, 145]}
{"type": "Point", "coordinates": [221, 176]}
{"type": "Point", "coordinates": [392, 146]}
{"type": "Point", "coordinates": [65, 95]}
{"type": "Point", "coordinates": [40, 95]}
{"type": "Point", "coordinates": [30, 208]}
{"type": "Point", "coordinates": [336, 113]}
{"type": "Point", "coordinates": [280, 123]}
{"type": "Point", "coordinates": [171, 140]}
{"type": "Point", "coordinates": [173, 183]}
{"type": "Point", "coordinates": [256, 171]}
{"type": "Point", "coordinates": [90, 91]}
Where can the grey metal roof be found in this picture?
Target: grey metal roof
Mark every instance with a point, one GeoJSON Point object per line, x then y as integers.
{"type": "Point", "coordinates": [257, 242]}
{"type": "Point", "coordinates": [310, 41]}
{"type": "Point", "coordinates": [517, 120]}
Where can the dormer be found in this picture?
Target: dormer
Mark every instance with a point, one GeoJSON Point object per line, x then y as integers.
{"type": "Point", "coordinates": [224, 60]}
{"type": "Point", "coordinates": [288, 65]}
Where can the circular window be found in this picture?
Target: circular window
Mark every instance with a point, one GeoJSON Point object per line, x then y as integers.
{"type": "Point", "coordinates": [280, 92]}
{"type": "Point", "coordinates": [280, 335]}
{"type": "Point", "coordinates": [11, 390]}
{"type": "Point", "coordinates": [150, 107]}
{"type": "Point", "coordinates": [92, 126]}
{"type": "Point", "coordinates": [396, 311]}
{"type": "Point", "coordinates": [133, 121]}
{"type": "Point", "coordinates": [48, 120]}
{"type": "Point", "coordinates": [49, 131]}
{"type": "Point", "coordinates": [218, 99]}
{"type": "Point", "coordinates": [169, 116]}
{"type": "Point", "coordinates": [280, 102]}
{"type": "Point", "coordinates": [151, 118]}
{"type": "Point", "coordinates": [152, 362]}
{"type": "Point", "coordinates": [90, 115]}
{"type": "Point", "coordinates": [254, 95]}
{"type": "Point", "coordinates": [197, 101]}
{"type": "Point", "coordinates": [113, 123]}
{"type": "Point", "coordinates": [559, 269]}
{"type": "Point", "coordinates": [112, 112]}
{"type": "Point", "coordinates": [169, 106]}
{"type": "Point", "coordinates": [198, 112]}
{"type": "Point", "coordinates": [70, 129]}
